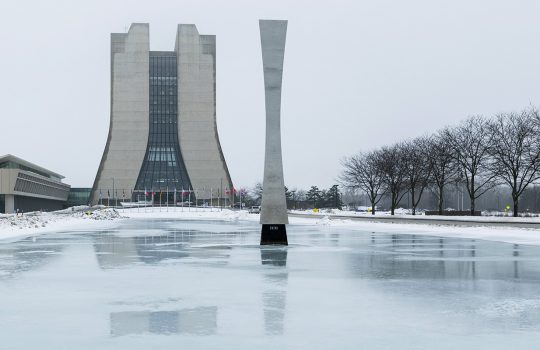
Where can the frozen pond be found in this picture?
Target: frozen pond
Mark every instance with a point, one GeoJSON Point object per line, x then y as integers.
{"type": "Point", "coordinates": [165, 284]}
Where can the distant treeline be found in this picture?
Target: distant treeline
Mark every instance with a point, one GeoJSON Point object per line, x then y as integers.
{"type": "Point", "coordinates": [480, 155]}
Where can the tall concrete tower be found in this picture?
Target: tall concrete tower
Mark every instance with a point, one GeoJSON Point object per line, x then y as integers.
{"type": "Point", "coordinates": [274, 205]}
{"type": "Point", "coordinates": [163, 134]}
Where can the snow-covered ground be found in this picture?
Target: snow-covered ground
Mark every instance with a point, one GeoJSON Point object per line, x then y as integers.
{"type": "Point", "coordinates": [80, 218]}
{"type": "Point", "coordinates": [16, 226]}
{"type": "Point", "coordinates": [406, 214]}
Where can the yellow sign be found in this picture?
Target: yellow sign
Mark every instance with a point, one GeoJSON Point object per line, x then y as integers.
{"type": "Point", "coordinates": [315, 210]}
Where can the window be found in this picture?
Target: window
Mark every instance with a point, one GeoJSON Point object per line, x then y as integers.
{"type": "Point", "coordinates": [163, 166]}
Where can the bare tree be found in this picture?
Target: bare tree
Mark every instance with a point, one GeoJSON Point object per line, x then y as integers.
{"type": "Point", "coordinates": [441, 162]}
{"type": "Point", "coordinates": [417, 168]}
{"type": "Point", "coordinates": [257, 191]}
{"type": "Point", "coordinates": [472, 143]}
{"type": "Point", "coordinates": [363, 172]}
{"type": "Point", "coordinates": [516, 151]}
{"type": "Point", "coordinates": [394, 175]}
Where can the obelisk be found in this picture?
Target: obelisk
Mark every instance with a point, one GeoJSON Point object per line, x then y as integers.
{"type": "Point", "coordinates": [274, 205]}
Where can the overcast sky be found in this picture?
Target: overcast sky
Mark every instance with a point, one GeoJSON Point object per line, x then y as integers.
{"type": "Point", "coordinates": [357, 75]}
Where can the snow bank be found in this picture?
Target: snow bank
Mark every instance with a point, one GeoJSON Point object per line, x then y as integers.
{"type": "Point", "coordinates": [12, 226]}
{"type": "Point", "coordinates": [405, 214]}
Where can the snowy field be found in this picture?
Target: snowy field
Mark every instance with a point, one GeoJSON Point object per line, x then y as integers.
{"type": "Point", "coordinates": [153, 281]}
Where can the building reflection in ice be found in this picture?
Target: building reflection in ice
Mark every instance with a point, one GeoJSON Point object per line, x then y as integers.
{"type": "Point", "coordinates": [113, 250]}
{"type": "Point", "coordinates": [195, 321]}
{"type": "Point", "coordinates": [28, 254]}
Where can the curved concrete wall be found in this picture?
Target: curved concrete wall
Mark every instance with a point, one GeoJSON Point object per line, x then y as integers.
{"type": "Point", "coordinates": [128, 130]}
{"type": "Point", "coordinates": [197, 129]}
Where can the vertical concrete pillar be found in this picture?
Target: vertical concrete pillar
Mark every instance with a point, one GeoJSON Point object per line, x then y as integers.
{"type": "Point", "coordinates": [130, 111]}
{"type": "Point", "coordinates": [10, 203]}
{"type": "Point", "coordinates": [274, 205]}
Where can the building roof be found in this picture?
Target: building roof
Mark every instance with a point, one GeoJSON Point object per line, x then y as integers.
{"type": "Point", "coordinates": [12, 158]}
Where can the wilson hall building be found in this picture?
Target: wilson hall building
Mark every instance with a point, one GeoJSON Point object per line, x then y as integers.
{"type": "Point", "coordinates": [163, 136]}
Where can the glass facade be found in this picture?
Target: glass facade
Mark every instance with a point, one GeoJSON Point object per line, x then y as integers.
{"type": "Point", "coordinates": [78, 196]}
{"type": "Point", "coordinates": [163, 167]}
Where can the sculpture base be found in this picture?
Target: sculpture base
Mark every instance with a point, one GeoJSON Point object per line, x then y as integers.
{"type": "Point", "coordinates": [274, 234]}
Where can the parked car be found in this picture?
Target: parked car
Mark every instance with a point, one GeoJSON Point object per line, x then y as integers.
{"type": "Point", "coordinates": [255, 210]}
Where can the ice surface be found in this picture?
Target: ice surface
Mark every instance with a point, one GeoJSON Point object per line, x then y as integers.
{"type": "Point", "coordinates": [171, 284]}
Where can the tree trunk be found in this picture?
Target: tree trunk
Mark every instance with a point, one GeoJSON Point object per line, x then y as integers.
{"type": "Point", "coordinates": [516, 200]}
{"type": "Point", "coordinates": [471, 195]}
{"type": "Point", "coordinates": [441, 200]}
{"type": "Point", "coordinates": [372, 206]}
{"type": "Point", "coordinates": [412, 199]}
{"type": "Point", "coordinates": [393, 205]}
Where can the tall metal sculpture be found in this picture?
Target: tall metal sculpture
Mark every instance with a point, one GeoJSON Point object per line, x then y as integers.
{"type": "Point", "coordinates": [274, 205]}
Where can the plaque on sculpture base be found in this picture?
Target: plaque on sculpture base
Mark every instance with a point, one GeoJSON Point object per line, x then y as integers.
{"type": "Point", "coordinates": [274, 234]}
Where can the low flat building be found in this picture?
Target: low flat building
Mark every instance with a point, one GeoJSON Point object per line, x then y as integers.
{"type": "Point", "coordinates": [78, 196]}
{"type": "Point", "coordinates": [29, 187]}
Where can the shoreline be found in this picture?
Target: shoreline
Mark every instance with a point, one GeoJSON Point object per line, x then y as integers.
{"type": "Point", "coordinates": [500, 231]}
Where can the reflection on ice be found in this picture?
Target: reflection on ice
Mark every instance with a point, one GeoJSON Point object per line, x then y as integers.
{"type": "Point", "coordinates": [160, 284]}
{"type": "Point", "coordinates": [114, 250]}
{"type": "Point", "coordinates": [27, 254]}
{"type": "Point", "coordinates": [196, 321]}
{"type": "Point", "coordinates": [440, 258]}
{"type": "Point", "coordinates": [275, 293]}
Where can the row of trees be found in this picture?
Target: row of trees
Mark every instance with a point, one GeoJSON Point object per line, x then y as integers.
{"type": "Point", "coordinates": [480, 153]}
{"type": "Point", "coordinates": [314, 197]}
